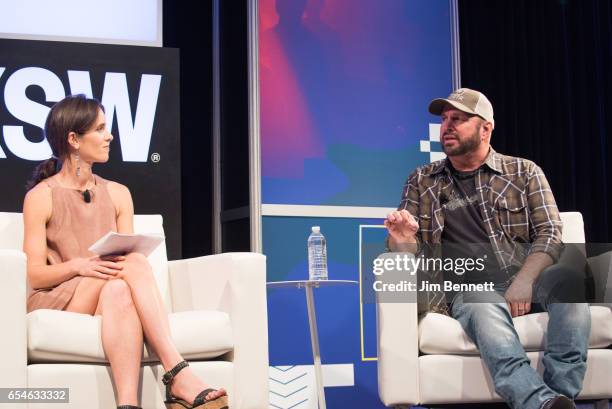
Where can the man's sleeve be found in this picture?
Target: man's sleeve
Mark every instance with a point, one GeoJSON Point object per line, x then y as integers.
{"type": "Point", "coordinates": [410, 195]}
{"type": "Point", "coordinates": [544, 221]}
{"type": "Point", "coordinates": [410, 202]}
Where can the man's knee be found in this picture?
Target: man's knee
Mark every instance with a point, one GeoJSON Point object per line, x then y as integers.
{"type": "Point", "coordinates": [117, 293]}
{"type": "Point", "coordinates": [562, 273]}
{"type": "Point", "coordinates": [561, 283]}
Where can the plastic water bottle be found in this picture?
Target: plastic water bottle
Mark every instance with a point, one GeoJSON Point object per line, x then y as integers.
{"type": "Point", "coordinates": [317, 255]}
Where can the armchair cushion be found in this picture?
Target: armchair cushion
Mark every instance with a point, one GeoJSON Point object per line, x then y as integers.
{"type": "Point", "coordinates": [60, 336]}
{"type": "Point", "coordinates": [440, 334]}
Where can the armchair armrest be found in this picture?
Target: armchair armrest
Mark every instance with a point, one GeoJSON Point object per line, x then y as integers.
{"type": "Point", "coordinates": [601, 267]}
{"type": "Point", "coordinates": [398, 341]}
{"type": "Point", "coordinates": [236, 284]}
{"type": "Point", "coordinates": [13, 353]}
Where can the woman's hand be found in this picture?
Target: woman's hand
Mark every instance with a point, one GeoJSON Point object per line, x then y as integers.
{"type": "Point", "coordinates": [100, 267]}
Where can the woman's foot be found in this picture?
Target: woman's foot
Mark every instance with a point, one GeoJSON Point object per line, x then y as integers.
{"type": "Point", "coordinates": [186, 385]}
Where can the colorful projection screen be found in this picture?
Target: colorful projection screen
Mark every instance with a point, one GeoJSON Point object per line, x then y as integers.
{"type": "Point", "coordinates": [344, 88]}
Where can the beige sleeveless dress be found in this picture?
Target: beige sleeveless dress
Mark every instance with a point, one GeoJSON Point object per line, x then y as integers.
{"type": "Point", "coordinates": [73, 227]}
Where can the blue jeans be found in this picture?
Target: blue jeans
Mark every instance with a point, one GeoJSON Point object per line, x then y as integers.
{"type": "Point", "coordinates": [490, 327]}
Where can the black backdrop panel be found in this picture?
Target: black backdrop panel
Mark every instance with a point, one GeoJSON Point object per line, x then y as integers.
{"type": "Point", "coordinates": [546, 66]}
{"type": "Point", "coordinates": [140, 85]}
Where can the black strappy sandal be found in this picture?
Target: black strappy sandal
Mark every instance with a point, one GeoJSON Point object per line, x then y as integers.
{"type": "Point", "coordinates": [200, 402]}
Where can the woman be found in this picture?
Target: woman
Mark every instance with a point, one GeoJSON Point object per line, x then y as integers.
{"type": "Point", "coordinates": [66, 209]}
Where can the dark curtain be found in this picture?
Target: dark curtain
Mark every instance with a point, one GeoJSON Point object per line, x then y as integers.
{"type": "Point", "coordinates": [546, 65]}
{"type": "Point", "coordinates": [188, 26]}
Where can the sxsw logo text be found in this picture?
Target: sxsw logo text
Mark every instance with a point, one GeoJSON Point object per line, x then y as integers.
{"type": "Point", "coordinates": [134, 131]}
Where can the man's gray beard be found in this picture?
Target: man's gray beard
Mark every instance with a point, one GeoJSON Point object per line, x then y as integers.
{"type": "Point", "coordinates": [466, 146]}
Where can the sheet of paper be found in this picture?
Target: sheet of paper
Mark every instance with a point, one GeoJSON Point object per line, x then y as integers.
{"type": "Point", "coordinates": [119, 243]}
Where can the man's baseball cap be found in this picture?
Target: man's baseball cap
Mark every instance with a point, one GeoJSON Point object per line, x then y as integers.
{"type": "Point", "coordinates": [466, 100]}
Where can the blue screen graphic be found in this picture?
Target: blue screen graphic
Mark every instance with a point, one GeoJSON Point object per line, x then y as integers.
{"type": "Point", "coordinates": [345, 86]}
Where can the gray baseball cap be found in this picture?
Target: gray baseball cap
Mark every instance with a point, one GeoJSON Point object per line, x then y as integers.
{"type": "Point", "coordinates": [466, 100]}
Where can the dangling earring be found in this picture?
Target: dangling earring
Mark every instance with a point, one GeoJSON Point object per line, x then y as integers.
{"type": "Point", "coordinates": [78, 161]}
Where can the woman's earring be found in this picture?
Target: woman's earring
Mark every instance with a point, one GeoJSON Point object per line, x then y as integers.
{"type": "Point", "coordinates": [78, 161]}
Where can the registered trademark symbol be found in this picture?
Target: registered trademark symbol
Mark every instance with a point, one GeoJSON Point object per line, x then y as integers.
{"type": "Point", "coordinates": [155, 157]}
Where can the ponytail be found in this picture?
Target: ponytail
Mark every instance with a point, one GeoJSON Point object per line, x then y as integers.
{"type": "Point", "coordinates": [44, 170]}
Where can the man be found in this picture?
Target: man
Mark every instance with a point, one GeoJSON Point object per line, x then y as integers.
{"type": "Point", "coordinates": [477, 195]}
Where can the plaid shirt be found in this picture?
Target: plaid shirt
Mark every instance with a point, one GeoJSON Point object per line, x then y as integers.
{"type": "Point", "coordinates": [515, 202]}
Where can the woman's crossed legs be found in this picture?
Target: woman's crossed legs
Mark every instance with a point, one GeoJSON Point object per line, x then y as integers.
{"type": "Point", "coordinates": [131, 304]}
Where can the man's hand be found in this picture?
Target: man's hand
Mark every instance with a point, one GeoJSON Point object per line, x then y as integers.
{"type": "Point", "coordinates": [402, 227]}
{"type": "Point", "coordinates": [519, 295]}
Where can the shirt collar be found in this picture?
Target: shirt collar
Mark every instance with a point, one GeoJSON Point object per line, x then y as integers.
{"type": "Point", "coordinates": [494, 161]}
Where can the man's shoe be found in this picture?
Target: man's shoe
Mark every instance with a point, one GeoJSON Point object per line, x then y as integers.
{"type": "Point", "coordinates": [560, 402]}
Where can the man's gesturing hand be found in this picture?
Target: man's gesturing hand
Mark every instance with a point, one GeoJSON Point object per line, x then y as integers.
{"type": "Point", "coordinates": [402, 226]}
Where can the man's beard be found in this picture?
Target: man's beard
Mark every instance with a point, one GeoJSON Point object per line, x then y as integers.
{"type": "Point", "coordinates": [467, 145]}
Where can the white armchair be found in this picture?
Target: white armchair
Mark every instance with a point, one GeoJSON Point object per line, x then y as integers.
{"type": "Point", "coordinates": [218, 319]}
{"type": "Point", "coordinates": [432, 361]}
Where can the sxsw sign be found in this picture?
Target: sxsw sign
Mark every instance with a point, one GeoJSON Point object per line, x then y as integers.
{"type": "Point", "coordinates": [134, 131]}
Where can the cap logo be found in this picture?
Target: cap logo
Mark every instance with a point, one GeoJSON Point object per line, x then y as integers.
{"type": "Point", "coordinates": [457, 95]}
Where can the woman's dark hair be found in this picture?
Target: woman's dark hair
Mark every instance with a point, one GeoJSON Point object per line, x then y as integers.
{"type": "Point", "coordinates": [75, 113]}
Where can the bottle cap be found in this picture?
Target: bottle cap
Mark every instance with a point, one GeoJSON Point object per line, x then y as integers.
{"type": "Point", "coordinates": [316, 229]}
